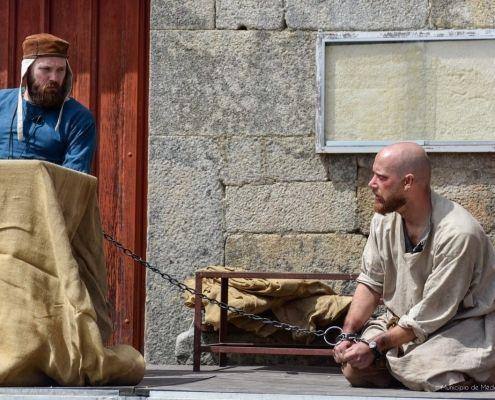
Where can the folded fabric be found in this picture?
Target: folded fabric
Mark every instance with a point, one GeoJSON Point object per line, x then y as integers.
{"type": "Point", "coordinates": [310, 304]}
{"type": "Point", "coordinates": [53, 288]}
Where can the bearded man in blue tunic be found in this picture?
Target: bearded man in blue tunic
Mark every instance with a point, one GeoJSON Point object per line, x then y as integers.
{"type": "Point", "coordinates": [39, 120]}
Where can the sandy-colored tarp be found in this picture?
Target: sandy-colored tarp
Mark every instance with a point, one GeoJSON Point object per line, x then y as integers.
{"type": "Point", "coordinates": [310, 304]}
{"type": "Point", "coordinates": [53, 308]}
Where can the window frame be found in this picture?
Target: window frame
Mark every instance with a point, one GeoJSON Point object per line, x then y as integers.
{"type": "Point", "coordinates": [338, 146]}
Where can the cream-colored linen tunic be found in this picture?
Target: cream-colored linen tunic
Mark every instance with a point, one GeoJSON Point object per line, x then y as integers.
{"type": "Point", "coordinates": [446, 294]}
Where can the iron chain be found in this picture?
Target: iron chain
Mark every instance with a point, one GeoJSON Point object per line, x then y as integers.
{"type": "Point", "coordinates": [184, 288]}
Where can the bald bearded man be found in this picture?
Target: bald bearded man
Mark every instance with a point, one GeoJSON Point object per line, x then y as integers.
{"type": "Point", "coordinates": [434, 267]}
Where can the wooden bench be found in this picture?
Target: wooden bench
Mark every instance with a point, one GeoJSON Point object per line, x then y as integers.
{"type": "Point", "coordinates": [222, 347]}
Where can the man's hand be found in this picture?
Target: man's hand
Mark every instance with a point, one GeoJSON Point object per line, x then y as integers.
{"type": "Point", "coordinates": [359, 356]}
{"type": "Point", "coordinates": [340, 349]}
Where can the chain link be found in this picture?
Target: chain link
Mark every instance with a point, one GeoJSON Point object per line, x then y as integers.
{"type": "Point", "coordinates": [184, 288]}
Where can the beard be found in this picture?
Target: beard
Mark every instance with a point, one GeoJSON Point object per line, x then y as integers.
{"type": "Point", "coordinates": [387, 206]}
{"type": "Point", "coordinates": [47, 95]}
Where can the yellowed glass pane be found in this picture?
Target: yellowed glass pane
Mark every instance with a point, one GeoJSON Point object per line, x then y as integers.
{"type": "Point", "coordinates": [441, 90]}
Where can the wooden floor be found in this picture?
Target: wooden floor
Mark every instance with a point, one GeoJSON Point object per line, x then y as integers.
{"type": "Point", "coordinates": [235, 383]}
{"type": "Point", "coordinates": [272, 383]}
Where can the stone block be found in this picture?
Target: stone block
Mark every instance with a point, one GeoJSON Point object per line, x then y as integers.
{"type": "Point", "coordinates": [448, 14]}
{"type": "Point", "coordinates": [365, 212]}
{"type": "Point", "coordinates": [278, 159]}
{"type": "Point", "coordinates": [294, 159]}
{"type": "Point", "coordinates": [330, 252]}
{"type": "Point", "coordinates": [341, 168]}
{"type": "Point", "coordinates": [232, 82]}
{"type": "Point", "coordinates": [182, 14]}
{"type": "Point", "coordinates": [468, 179]}
{"type": "Point", "coordinates": [242, 160]}
{"type": "Point", "coordinates": [185, 231]}
{"type": "Point", "coordinates": [184, 347]}
{"type": "Point", "coordinates": [479, 200]}
{"type": "Point", "coordinates": [250, 14]}
{"type": "Point", "coordinates": [287, 207]}
{"type": "Point", "coordinates": [364, 196]}
{"type": "Point", "coordinates": [463, 169]}
{"type": "Point", "coordinates": [356, 14]}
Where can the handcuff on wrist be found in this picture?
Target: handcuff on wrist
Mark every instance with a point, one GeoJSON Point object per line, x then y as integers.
{"type": "Point", "coordinates": [341, 337]}
{"type": "Point", "coordinates": [352, 337]}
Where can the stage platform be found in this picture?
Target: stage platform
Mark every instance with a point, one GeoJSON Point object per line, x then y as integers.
{"type": "Point", "coordinates": [178, 382]}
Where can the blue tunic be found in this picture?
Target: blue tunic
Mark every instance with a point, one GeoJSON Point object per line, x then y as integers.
{"type": "Point", "coordinates": [72, 146]}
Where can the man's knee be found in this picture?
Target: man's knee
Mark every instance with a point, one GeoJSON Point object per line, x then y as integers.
{"type": "Point", "coordinates": [354, 376]}
{"type": "Point", "coordinates": [368, 377]}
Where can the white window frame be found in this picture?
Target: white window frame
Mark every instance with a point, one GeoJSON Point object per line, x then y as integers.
{"type": "Point", "coordinates": [338, 146]}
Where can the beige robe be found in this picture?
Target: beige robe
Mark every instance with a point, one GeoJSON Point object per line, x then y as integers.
{"type": "Point", "coordinates": [446, 294]}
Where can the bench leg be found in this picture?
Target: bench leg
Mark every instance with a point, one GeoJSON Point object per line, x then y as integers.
{"type": "Point", "coordinates": [222, 333]}
{"type": "Point", "coordinates": [197, 324]}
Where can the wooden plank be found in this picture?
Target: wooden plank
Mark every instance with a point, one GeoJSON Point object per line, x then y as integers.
{"type": "Point", "coordinates": [256, 349]}
{"type": "Point", "coordinates": [7, 38]}
{"type": "Point", "coordinates": [135, 38]}
{"type": "Point", "coordinates": [121, 158]}
{"type": "Point", "coordinates": [141, 162]}
{"type": "Point", "coordinates": [197, 325]}
{"type": "Point", "coordinates": [284, 382]}
{"type": "Point", "coordinates": [222, 332]}
{"type": "Point", "coordinates": [269, 344]}
{"type": "Point", "coordinates": [277, 275]}
{"type": "Point", "coordinates": [79, 33]}
{"type": "Point", "coordinates": [45, 16]}
{"type": "Point", "coordinates": [9, 53]}
{"type": "Point", "coordinates": [111, 128]}
{"type": "Point", "coordinates": [28, 21]}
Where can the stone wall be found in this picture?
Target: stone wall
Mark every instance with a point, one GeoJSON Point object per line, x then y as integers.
{"type": "Point", "coordinates": [233, 175]}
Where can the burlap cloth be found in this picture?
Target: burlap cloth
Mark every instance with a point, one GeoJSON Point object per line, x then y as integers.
{"type": "Point", "coordinates": [309, 304]}
{"type": "Point", "coordinates": [53, 309]}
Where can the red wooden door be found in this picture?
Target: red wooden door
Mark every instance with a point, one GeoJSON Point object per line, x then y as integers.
{"type": "Point", "coordinates": [109, 57]}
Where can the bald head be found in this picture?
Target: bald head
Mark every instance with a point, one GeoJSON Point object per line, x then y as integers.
{"type": "Point", "coordinates": [407, 158]}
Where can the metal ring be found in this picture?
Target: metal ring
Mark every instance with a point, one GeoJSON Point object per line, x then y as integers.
{"type": "Point", "coordinates": [329, 329]}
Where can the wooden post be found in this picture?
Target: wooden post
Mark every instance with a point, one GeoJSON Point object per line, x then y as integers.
{"type": "Point", "coordinates": [222, 334]}
{"type": "Point", "coordinates": [198, 322]}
